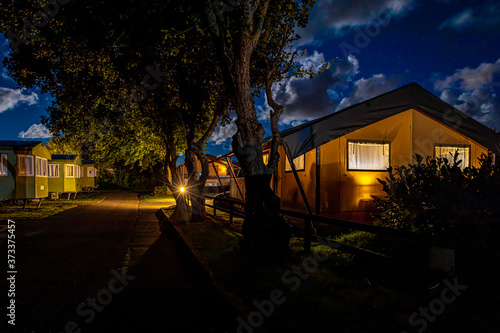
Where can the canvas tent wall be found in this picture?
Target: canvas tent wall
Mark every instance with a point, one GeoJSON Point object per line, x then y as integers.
{"type": "Point", "coordinates": [340, 156]}
{"type": "Point", "coordinates": [64, 173]}
{"type": "Point", "coordinates": [217, 167]}
{"type": "Point", "coordinates": [23, 169]}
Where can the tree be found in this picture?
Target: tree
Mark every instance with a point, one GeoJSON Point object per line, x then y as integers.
{"type": "Point", "coordinates": [251, 37]}
{"type": "Point", "coordinates": [115, 71]}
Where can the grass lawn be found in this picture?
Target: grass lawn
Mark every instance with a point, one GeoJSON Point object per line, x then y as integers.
{"type": "Point", "coordinates": [340, 293]}
{"type": "Point", "coordinates": [169, 199]}
{"type": "Point", "coordinates": [49, 207]}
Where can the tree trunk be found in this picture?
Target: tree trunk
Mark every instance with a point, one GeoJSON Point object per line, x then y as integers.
{"type": "Point", "coordinates": [182, 210]}
{"type": "Point", "coordinates": [266, 233]}
{"type": "Point", "coordinates": [198, 212]}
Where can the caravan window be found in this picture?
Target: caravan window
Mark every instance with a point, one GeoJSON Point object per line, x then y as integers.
{"type": "Point", "coordinates": [41, 167]}
{"type": "Point", "coordinates": [53, 170]}
{"type": "Point", "coordinates": [299, 163]}
{"type": "Point", "coordinates": [70, 171]}
{"type": "Point", "coordinates": [3, 164]}
{"type": "Point", "coordinates": [25, 165]}
{"type": "Point", "coordinates": [368, 156]}
{"type": "Point", "coordinates": [448, 152]}
{"type": "Point", "coordinates": [90, 172]}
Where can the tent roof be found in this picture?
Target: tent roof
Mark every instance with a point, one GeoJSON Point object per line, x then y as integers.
{"type": "Point", "coordinates": [315, 133]}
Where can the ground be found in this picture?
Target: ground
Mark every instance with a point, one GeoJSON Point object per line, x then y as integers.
{"type": "Point", "coordinates": [107, 267]}
{"type": "Point", "coordinates": [68, 258]}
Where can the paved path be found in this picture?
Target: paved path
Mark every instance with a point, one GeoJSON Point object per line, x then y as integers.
{"type": "Point", "coordinates": [69, 260]}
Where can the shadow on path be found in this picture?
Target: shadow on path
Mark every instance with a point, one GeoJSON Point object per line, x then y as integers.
{"type": "Point", "coordinates": [168, 293]}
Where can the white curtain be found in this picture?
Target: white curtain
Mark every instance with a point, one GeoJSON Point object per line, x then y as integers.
{"type": "Point", "coordinates": [449, 151]}
{"type": "Point", "coordinates": [298, 162]}
{"type": "Point", "coordinates": [3, 164]}
{"type": "Point", "coordinates": [368, 156]}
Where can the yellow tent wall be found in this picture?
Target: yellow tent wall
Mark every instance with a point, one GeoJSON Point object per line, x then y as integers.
{"type": "Point", "coordinates": [222, 169]}
{"type": "Point", "coordinates": [408, 132]}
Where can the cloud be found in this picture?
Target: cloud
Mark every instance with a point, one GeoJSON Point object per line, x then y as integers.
{"type": "Point", "coordinates": [365, 89]}
{"type": "Point", "coordinates": [36, 131]}
{"type": "Point", "coordinates": [485, 17]}
{"type": "Point", "coordinates": [460, 21]}
{"type": "Point", "coordinates": [474, 91]}
{"type": "Point", "coordinates": [306, 99]}
{"type": "Point", "coordinates": [223, 133]}
{"type": "Point", "coordinates": [470, 78]}
{"type": "Point", "coordinates": [10, 98]}
{"type": "Point", "coordinates": [334, 17]}
{"type": "Point", "coordinates": [5, 74]}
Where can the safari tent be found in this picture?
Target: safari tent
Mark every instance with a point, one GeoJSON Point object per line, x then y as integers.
{"type": "Point", "coordinates": [219, 173]}
{"type": "Point", "coordinates": [339, 157]}
{"type": "Point", "coordinates": [23, 170]}
{"type": "Point", "coordinates": [88, 180]}
{"type": "Point", "coordinates": [65, 173]}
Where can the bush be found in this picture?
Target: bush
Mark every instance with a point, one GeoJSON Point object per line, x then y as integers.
{"type": "Point", "coordinates": [437, 195]}
{"type": "Point", "coordinates": [161, 191]}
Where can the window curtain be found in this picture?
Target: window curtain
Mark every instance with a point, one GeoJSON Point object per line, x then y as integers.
{"type": "Point", "coordinates": [368, 156]}
{"type": "Point", "coordinates": [298, 162]}
{"type": "Point", "coordinates": [3, 164]}
{"type": "Point", "coordinates": [26, 165]}
{"type": "Point", "coordinates": [449, 151]}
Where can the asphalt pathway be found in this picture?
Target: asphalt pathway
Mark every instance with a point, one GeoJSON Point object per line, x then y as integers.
{"type": "Point", "coordinates": [107, 268]}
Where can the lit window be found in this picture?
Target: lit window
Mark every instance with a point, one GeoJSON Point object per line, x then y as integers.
{"type": "Point", "coordinates": [41, 167]}
{"type": "Point", "coordinates": [90, 172]}
{"type": "Point", "coordinates": [298, 161]}
{"type": "Point", "coordinates": [25, 165]}
{"type": "Point", "coordinates": [368, 156]}
{"type": "Point", "coordinates": [53, 170]}
{"type": "Point", "coordinates": [70, 171]}
{"type": "Point", "coordinates": [449, 151]}
{"type": "Point", "coordinates": [3, 164]}
{"type": "Point", "coordinates": [265, 157]}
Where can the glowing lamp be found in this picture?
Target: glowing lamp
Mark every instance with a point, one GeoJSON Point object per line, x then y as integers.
{"type": "Point", "coordinates": [182, 189]}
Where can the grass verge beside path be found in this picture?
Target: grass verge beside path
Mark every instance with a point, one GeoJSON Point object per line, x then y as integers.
{"type": "Point", "coordinates": [169, 199]}
{"type": "Point", "coordinates": [340, 293]}
{"type": "Point", "coordinates": [49, 207]}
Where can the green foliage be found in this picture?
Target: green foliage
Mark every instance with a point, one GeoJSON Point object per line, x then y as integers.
{"type": "Point", "coordinates": [437, 195]}
{"type": "Point", "coordinates": [129, 81]}
{"type": "Point", "coordinates": [125, 180]}
{"type": "Point", "coordinates": [161, 191]}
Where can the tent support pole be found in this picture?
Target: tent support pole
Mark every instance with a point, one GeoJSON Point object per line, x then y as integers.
{"type": "Point", "coordinates": [307, 223]}
{"type": "Point", "coordinates": [235, 180]}
{"type": "Point", "coordinates": [217, 174]}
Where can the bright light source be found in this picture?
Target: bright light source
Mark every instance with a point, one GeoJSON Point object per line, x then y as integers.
{"type": "Point", "coordinates": [182, 189]}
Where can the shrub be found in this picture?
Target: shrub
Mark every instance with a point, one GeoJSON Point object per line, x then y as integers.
{"type": "Point", "coordinates": [438, 195]}
{"type": "Point", "coordinates": [161, 191]}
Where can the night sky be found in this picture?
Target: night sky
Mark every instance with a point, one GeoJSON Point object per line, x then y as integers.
{"type": "Point", "coordinates": [450, 47]}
